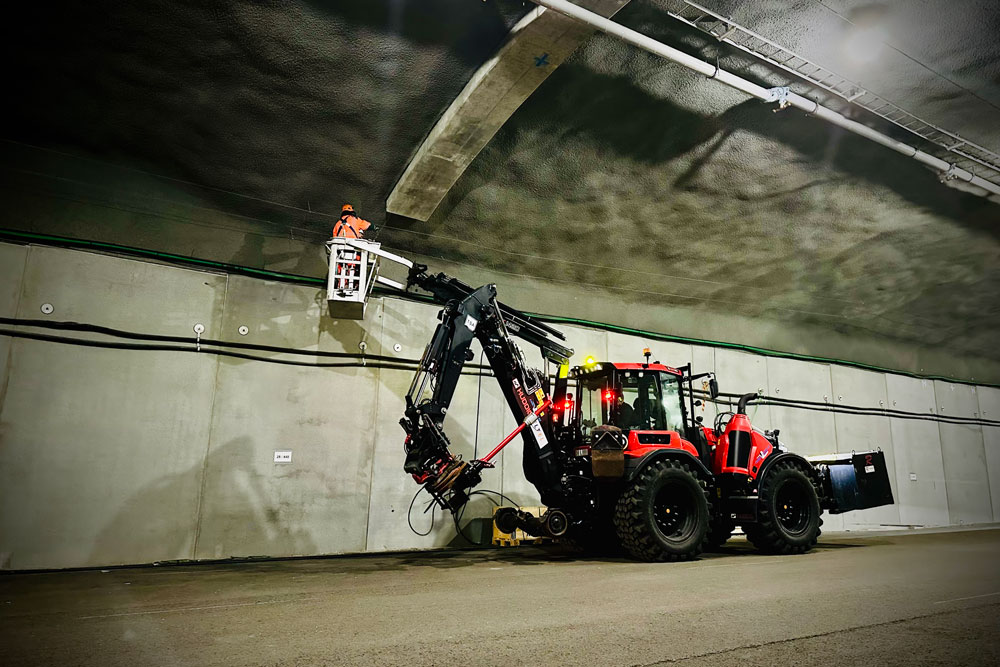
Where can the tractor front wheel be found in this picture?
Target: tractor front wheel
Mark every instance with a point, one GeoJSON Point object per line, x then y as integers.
{"type": "Point", "coordinates": [663, 514]}
{"type": "Point", "coordinates": [788, 513]}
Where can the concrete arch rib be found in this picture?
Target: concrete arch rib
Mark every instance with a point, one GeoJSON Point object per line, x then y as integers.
{"type": "Point", "coordinates": [537, 45]}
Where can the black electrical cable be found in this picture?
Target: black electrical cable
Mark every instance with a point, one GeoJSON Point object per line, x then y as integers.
{"type": "Point", "coordinates": [941, 419]}
{"type": "Point", "coordinates": [476, 493]}
{"type": "Point", "coordinates": [891, 413]}
{"type": "Point", "coordinates": [483, 492]}
{"type": "Point", "coordinates": [409, 512]}
{"type": "Point", "coordinates": [132, 335]}
{"type": "Point", "coordinates": [208, 347]}
{"type": "Point", "coordinates": [180, 348]}
{"type": "Point", "coordinates": [496, 493]}
{"type": "Point", "coordinates": [873, 412]}
{"type": "Point", "coordinates": [457, 516]}
{"type": "Point", "coordinates": [22, 237]}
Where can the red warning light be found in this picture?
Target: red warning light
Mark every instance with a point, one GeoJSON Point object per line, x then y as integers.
{"type": "Point", "coordinates": [608, 395]}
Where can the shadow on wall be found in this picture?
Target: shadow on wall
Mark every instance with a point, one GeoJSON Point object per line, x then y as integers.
{"type": "Point", "coordinates": [137, 525]}
{"type": "Point", "coordinates": [260, 251]}
{"type": "Point", "coordinates": [349, 333]}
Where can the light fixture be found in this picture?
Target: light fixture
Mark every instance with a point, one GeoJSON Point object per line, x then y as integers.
{"type": "Point", "coordinates": [864, 43]}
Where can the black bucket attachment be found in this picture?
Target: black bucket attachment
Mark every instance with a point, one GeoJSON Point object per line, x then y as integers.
{"type": "Point", "coordinates": [855, 481]}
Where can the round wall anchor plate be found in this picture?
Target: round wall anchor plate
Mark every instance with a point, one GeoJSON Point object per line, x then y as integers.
{"type": "Point", "coordinates": [47, 308]}
{"type": "Point", "coordinates": [199, 328]}
{"type": "Point", "coordinates": [363, 346]}
{"type": "Point", "coordinates": [244, 330]}
{"type": "Point", "coordinates": [397, 347]}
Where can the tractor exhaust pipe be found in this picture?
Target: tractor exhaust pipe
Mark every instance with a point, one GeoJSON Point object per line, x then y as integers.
{"type": "Point", "coordinates": [741, 407]}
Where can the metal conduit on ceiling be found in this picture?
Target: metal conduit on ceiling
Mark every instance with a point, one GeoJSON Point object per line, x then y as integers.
{"type": "Point", "coordinates": [782, 95]}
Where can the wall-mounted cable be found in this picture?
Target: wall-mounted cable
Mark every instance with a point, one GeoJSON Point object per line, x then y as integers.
{"type": "Point", "coordinates": [868, 411]}
{"type": "Point", "coordinates": [19, 236]}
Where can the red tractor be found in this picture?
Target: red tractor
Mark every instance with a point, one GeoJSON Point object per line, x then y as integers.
{"type": "Point", "coordinates": [615, 450]}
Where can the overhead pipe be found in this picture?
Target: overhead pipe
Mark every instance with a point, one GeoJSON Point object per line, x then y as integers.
{"type": "Point", "coordinates": [781, 95]}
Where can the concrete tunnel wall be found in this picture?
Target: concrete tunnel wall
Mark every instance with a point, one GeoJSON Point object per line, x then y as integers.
{"type": "Point", "coordinates": [115, 457]}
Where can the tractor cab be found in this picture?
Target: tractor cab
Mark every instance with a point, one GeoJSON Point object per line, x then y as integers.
{"type": "Point", "coordinates": [631, 397]}
{"type": "Point", "coordinates": [644, 406]}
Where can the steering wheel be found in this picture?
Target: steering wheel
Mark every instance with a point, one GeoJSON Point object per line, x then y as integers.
{"type": "Point", "coordinates": [719, 426]}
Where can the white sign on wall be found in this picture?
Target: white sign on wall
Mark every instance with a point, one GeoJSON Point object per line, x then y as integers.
{"type": "Point", "coordinates": [283, 457]}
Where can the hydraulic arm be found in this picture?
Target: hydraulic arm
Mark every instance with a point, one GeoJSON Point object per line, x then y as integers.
{"type": "Point", "coordinates": [475, 313]}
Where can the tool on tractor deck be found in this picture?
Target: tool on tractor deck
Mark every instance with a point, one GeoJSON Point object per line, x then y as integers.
{"type": "Point", "coordinates": [615, 449]}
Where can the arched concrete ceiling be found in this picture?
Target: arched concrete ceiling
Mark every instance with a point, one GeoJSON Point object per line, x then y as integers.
{"type": "Point", "coordinates": [308, 103]}
{"type": "Point", "coordinates": [621, 174]}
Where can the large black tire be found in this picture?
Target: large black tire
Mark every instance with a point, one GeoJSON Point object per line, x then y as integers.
{"type": "Point", "coordinates": [788, 512]}
{"type": "Point", "coordinates": [663, 514]}
{"type": "Point", "coordinates": [719, 532]}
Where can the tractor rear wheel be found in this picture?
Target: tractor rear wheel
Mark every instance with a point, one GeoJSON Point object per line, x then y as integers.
{"type": "Point", "coordinates": [788, 512]}
{"type": "Point", "coordinates": [663, 514]}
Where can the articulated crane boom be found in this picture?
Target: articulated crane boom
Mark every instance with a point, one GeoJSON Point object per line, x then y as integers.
{"type": "Point", "coordinates": [475, 313]}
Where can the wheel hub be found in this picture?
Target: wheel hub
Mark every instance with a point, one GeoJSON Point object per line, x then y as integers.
{"type": "Point", "coordinates": [792, 507]}
{"type": "Point", "coordinates": [674, 512]}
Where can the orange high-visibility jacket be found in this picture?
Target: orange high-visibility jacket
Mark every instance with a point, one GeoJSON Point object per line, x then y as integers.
{"type": "Point", "coordinates": [350, 226]}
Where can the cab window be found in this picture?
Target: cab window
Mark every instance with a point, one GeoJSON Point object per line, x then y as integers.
{"type": "Point", "coordinates": [593, 404]}
{"type": "Point", "coordinates": [640, 403]}
{"type": "Point", "coordinates": [672, 406]}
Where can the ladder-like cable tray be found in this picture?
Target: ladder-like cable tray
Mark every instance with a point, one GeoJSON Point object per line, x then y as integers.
{"type": "Point", "coordinates": [825, 84]}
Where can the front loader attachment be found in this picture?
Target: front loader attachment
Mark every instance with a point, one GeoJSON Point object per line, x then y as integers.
{"type": "Point", "coordinates": [855, 481]}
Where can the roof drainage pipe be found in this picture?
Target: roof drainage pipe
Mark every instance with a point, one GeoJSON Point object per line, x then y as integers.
{"type": "Point", "coordinates": [781, 95]}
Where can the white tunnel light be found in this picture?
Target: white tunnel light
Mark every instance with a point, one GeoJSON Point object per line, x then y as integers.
{"type": "Point", "coordinates": [864, 43]}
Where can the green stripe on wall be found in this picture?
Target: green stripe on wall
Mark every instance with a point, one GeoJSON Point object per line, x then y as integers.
{"type": "Point", "coordinates": [172, 258]}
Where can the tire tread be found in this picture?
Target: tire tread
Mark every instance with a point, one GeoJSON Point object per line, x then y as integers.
{"type": "Point", "coordinates": [632, 532]}
{"type": "Point", "coordinates": [765, 534]}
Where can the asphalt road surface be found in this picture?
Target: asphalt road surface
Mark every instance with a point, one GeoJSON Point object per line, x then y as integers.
{"type": "Point", "coordinates": [918, 599]}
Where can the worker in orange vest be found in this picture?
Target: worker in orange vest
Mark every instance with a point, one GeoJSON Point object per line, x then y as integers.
{"type": "Point", "coordinates": [349, 226]}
